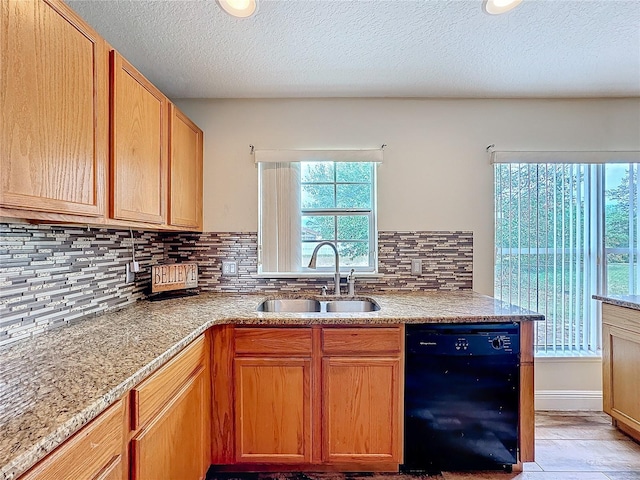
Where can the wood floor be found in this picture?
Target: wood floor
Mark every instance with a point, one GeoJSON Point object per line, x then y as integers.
{"type": "Point", "coordinates": [569, 446]}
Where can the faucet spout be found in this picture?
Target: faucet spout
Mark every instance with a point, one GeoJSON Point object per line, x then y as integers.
{"type": "Point", "coordinates": [314, 258]}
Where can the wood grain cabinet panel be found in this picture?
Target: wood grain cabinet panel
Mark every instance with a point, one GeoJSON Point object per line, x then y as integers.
{"type": "Point", "coordinates": [174, 445]}
{"type": "Point", "coordinates": [185, 171]}
{"type": "Point", "coordinates": [526, 427]}
{"type": "Point", "coordinates": [53, 111]}
{"type": "Point", "coordinates": [289, 341]}
{"type": "Point", "coordinates": [620, 360]}
{"type": "Point", "coordinates": [273, 410]}
{"type": "Point", "coordinates": [361, 410]}
{"type": "Point", "coordinates": [153, 393]}
{"type": "Point", "coordinates": [362, 341]}
{"type": "Point", "coordinates": [94, 453]}
{"type": "Point", "coordinates": [297, 407]}
{"type": "Point", "coordinates": [139, 141]}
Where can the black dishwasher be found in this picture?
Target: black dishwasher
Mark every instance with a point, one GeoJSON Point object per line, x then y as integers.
{"type": "Point", "coordinates": [461, 396]}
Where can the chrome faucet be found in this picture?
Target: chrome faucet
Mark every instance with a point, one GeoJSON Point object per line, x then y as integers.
{"type": "Point", "coordinates": [314, 257]}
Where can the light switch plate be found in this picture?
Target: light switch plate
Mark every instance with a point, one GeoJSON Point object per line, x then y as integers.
{"type": "Point", "coordinates": [416, 266]}
{"type": "Point", "coordinates": [229, 268]}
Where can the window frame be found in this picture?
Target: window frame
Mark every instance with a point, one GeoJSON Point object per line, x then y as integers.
{"type": "Point", "coordinates": [371, 213]}
{"type": "Point", "coordinates": [596, 283]}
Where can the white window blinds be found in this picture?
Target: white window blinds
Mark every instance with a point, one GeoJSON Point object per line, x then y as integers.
{"type": "Point", "coordinates": [564, 232]}
{"type": "Point", "coordinates": [280, 217]}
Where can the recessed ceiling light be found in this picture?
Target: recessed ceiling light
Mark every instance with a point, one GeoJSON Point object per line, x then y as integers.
{"type": "Point", "coordinates": [496, 7]}
{"type": "Point", "coordinates": [239, 8]}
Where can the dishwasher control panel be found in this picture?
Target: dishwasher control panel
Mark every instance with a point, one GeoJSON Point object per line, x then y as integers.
{"type": "Point", "coordinates": [467, 339]}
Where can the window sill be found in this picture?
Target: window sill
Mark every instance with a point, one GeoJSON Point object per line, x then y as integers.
{"type": "Point", "coordinates": [317, 275]}
{"type": "Point", "coordinates": [576, 356]}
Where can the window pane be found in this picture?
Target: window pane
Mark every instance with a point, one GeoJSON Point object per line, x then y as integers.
{"type": "Point", "coordinates": [618, 273]}
{"type": "Point", "coordinates": [353, 196]}
{"type": "Point", "coordinates": [318, 227]}
{"type": "Point", "coordinates": [314, 172]}
{"type": "Point", "coordinates": [353, 227]}
{"type": "Point", "coordinates": [318, 196]}
{"type": "Point", "coordinates": [353, 254]}
{"type": "Point", "coordinates": [353, 172]}
{"type": "Point", "coordinates": [621, 229]}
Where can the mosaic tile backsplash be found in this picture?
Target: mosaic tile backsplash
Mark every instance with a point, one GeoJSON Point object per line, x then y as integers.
{"type": "Point", "coordinates": [447, 262]}
{"type": "Point", "coordinates": [51, 275]}
{"type": "Point", "coordinates": [54, 275]}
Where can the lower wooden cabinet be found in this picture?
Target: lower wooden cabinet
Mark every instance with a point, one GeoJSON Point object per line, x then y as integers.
{"type": "Point", "coordinates": [273, 410]}
{"type": "Point", "coordinates": [94, 453]}
{"type": "Point", "coordinates": [620, 360]}
{"type": "Point", "coordinates": [361, 410]}
{"type": "Point", "coordinates": [323, 398]}
{"type": "Point", "coordinates": [160, 430]}
{"type": "Point", "coordinates": [170, 418]}
{"type": "Point", "coordinates": [173, 445]}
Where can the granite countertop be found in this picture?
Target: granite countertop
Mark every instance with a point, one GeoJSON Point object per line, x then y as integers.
{"type": "Point", "coordinates": [629, 301]}
{"type": "Point", "coordinates": [53, 384]}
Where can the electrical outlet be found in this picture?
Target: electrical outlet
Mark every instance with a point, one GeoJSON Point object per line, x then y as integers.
{"type": "Point", "coordinates": [416, 266]}
{"type": "Point", "coordinates": [130, 275]}
{"type": "Point", "coordinates": [229, 268]}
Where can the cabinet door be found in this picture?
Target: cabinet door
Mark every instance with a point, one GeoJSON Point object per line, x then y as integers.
{"type": "Point", "coordinates": [94, 453]}
{"type": "Point", "coordinates": [174, 445]}
{"type": "Point", "coordinates": [185, 172]}
{"type": "Point", "coordinates": [53, 110]}
{"type": "Point", "coordinates": [621, 383]}
{"type": "Point", "coordinates": [273, 410]}
{"type": "Point", "coordinates": [361, 410]}
{"type": "Point", "coordinates": [139, 129]}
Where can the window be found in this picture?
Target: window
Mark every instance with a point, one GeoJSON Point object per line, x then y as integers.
{"type": "Point", "coordinates": [302, 203]}
{"type": "Point", "coordinates": [337, 205]}
{"type": "Point", "coordinates": [563, 233]}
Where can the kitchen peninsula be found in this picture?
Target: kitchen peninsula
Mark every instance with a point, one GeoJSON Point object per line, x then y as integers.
{"type": "Point", "coordinates": [620, 360]}
{"type": "Point", "coordinates": [77, 372]}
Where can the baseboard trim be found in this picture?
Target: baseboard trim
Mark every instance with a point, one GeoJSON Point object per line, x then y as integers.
{"type": "Point", "coordinates": [568, 400]}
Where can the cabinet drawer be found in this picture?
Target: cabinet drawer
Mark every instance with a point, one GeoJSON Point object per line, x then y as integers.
{"type": "Point", "coordinates": [361, 340]}
{"type": "Point", "coordinates": [148, 397]}
{"type": "Point", "coordinates": [282, 341]}
{"type": "Point", "coordinates": [621, 317]}
{"type": "Point", "coordinates": [92, 452]}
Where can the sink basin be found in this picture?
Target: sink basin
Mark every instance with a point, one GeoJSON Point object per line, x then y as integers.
{"type": "Point", "coordinates": [351, 306]}
{"type": "Point", "coordinates": [309, 305]}
{"type": "Point", "coordinates": [299, 305]}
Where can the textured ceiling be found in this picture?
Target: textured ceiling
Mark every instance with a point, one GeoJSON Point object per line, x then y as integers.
{"type": "Point", "coordinates": [377, 48]}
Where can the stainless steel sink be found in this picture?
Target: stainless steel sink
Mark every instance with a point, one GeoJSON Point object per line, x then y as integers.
{"type": "Point", "coordinates": [351, 306]}
{"type": "Point", "coordinates": [299, 305]}
{"type": "Point", "coordinates": [309, 305]}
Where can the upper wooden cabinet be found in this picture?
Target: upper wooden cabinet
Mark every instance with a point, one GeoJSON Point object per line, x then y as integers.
{"type": "Point", "coordinates": [185, 171]}
{"type": "Point", "coordinates": [139, 129]}
{"type": "Point", "coordinates": [53, 111]}
{"type": "Point", "coordinates": [84, 136]}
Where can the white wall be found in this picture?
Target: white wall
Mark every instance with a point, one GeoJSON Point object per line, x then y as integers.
{"type": "Point", "coordinates": [436, 174]}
